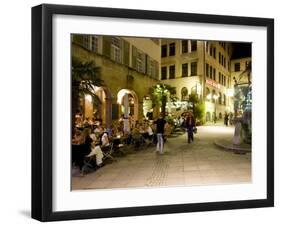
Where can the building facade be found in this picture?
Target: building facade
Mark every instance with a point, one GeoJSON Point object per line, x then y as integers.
{"type": "Point", "coordinates": [201, 67]}
{"type": "Point", "coordinates": [240, 68]}
{"type": "Point", "coordinates": [129, 67]}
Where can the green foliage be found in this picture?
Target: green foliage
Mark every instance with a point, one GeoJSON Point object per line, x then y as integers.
{"type": "Point", "coordinates": [198, 108]}
{"type": "Point", "coordinates": [160, 94]}
{"type": "Point", "coordinates": [169, 120]}
{"type": "Point", "coordinates": [85, 77]}
{"type": "Point", "coordinates": [199, 113]}
{"type": "Point", "coordinates": [193, 98]}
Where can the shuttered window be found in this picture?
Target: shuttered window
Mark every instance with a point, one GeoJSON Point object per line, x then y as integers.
{"type": "Point", "coordinates": [94, 43]}
{"type": "Point", "coordinates": [106, 46]}
{"type": "Point", "coordinates": [138, 60]}
{"type": "Point", "coordinates": [193, 45]}
{"type": "Point", "coordinates": [163, 73]}
{"type": "Point", "coordinates": [184, 70]}
{"type": "Point", "coordinates": [193, 69]}
{"type": "Point", "coordinates": [126, 53]}
{"type": "Point", "coordinates": [172, 72]}
{"type": "Point", "coordinates": [116, 49]}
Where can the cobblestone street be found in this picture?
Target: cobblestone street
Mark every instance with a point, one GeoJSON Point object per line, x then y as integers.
{"type": "Point", "coordinates": [182, 164]}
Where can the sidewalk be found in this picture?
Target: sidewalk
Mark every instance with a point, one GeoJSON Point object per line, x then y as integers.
{"type": "Point", "coordinates": [196, 164]}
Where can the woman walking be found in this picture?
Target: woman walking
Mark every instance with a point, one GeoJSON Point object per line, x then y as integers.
{"type": "Point", "coordinates": [189, 125]}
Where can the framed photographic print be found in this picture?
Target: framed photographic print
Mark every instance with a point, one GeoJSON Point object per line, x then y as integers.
{"type": "Point", "coordinates": [146, 112]}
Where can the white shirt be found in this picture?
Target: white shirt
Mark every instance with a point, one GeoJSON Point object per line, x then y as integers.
{"type": "Point", "coordinates": [104, 140]}
{"type": "Point", "coordinates": [149, 130]}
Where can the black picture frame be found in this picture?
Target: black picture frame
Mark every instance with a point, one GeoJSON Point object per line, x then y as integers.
{"type": "Point", "coordinates": [42, 108]}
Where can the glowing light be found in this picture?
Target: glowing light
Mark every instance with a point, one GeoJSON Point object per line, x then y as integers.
{"type": "Point", "coordinates": [229, 92]}
{"type": "Point", "coordinates": [198, 88]}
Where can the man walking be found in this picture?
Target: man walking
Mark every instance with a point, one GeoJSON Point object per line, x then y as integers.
{"type": "Point", "coordinates": [189, 124]}
{"type": "Point", "coordinates": [160, 125]}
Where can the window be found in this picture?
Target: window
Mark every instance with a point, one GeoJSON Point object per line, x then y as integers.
{"type": "Point", "coordinates": [224, 99]}
{"type": "Point", "coordinates": [184, 46]}
{"type": "Point", "coordinates": [140, 61]}
{"type": "Point", "coordinates": [172, 49]}
{"type": "Point", "coordinates": [211, 72]}
{"type": "Point", "coordinates": [207, 70]}
{"type": "Point", "coordinates": [94, 43]}
{"type": "Point", "coordinates": [184, 70]}
{"type": "Point", "coordinates": [246, 64]}
{"type": "Point", "coordinates": [163, 73]}
{"type": "Point", "coordinates": [237, 67]}
{"type": "Point", "coordinates": [86, 41]}
{"type": "Point", "coordinates": [224, 62]}
{"type": "Point", "coordinates": [219, 77]}
{"type": "Point", "coordinates": [219, 57]}
{"type": "Point", "coordinates": [214, 55]}
{"type": "Point", "coordinates": [152, 68]}
{"type": "Point", "coordinates": [193, 68]}
{"type": "Point", "coordinates": [214, 74]}
{"type": "Point", "coordinates": [172, 71]}
{"type": "Point", "coordinates": [220, 98]}
{"type": "Point", "coordinates": [211, 51]}
{"type": "Point", "coordinates": [116, 49]}
{"type": "Point", "coordinates": [164, 51]}
{"type": "Point", "coordinates": [193, 45]}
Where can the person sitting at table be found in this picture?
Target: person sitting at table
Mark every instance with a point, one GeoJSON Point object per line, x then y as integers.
{"type": "Point", "coordinates": [83, 148]}
{"type": "Point", "coordinates": [111, 131]}
{"type": "Point", "coordinates": [97, 152]}
{"type": "Point", "coordinates": [104, 140]}
{"type": "Point", "coordinates": [93, 137]}
{"type": "Point", "coordinates": [145, 133]}
{"type": "Point", "coordinates": [150, 132]}
{"type": "Point", "coordinates": [78, 120]}
{"type": "Point", "coordinates": [98, 129]}
{"type": "Point", "coordinates": [118, 140]}
{"type": "Point", "coordinates": [136, 136]}
{"type": "Point", "coordinates": [86, 122]}
{"type": "Point", "coordinates": [77, 137]}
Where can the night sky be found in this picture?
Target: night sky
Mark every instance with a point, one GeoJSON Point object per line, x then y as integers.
{"type": "Point", "coordinates": [241, 50]}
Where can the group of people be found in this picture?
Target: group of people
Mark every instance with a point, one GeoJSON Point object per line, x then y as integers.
{"type": "Point", "coordinates": [87, 142]}
{"type": "Point", "coordinates": [186, 121]}
{"type": "Point", "coordinates": [228, 118]}
{"type": "Point", "coordinates": [91, 138]}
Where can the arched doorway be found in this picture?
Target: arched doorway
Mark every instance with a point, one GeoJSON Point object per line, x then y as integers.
{"type": "Point", "coordinates": [147, 107]}
{"type": "Point", "coordinates": [129, 103]}
{"type": "Point", "coordinates": [184, 94]}
{"type": "Point", "coordinates": [98, 106]}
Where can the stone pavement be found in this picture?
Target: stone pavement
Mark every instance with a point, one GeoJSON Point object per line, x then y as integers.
{"type": "Point", "coordinates": [183, 164]}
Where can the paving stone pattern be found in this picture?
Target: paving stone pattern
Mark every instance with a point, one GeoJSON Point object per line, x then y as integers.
{"type": "Point", "coordinates": [182, 164]}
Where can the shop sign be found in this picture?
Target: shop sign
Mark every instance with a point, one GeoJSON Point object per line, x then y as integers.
{"type": "Point", "coordinates": [212, 83]}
